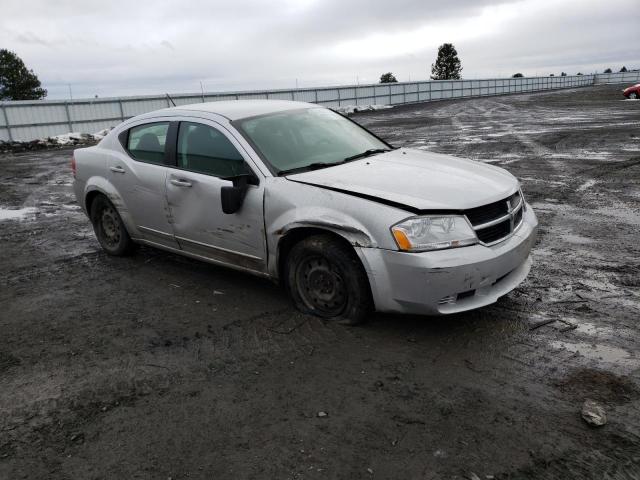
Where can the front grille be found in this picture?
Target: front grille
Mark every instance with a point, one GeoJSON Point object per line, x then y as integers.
{"type": "Point", "coordinates": [496, 221]}
{"type": "Point", "coordinates": [517, 218]}
{"type": "Point", "coordinates": [494, 232]}
{"type": "Point", "coordinates": [486, 213]}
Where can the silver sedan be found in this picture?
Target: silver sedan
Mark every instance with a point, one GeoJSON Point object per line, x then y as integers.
{"type": "Point", "coordinates": [305, 196]}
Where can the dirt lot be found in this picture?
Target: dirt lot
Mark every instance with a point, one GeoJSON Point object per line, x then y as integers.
{"type": "Point", "coordinates": [160, 367]}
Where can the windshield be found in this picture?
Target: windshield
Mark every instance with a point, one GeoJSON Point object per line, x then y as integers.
{"type": "Point", "coordinates": [310, 137]}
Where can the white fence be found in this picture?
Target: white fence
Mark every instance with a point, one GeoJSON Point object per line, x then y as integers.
{"type": "Point", "coordinates": [619, 77]}
{"type": "Point", "coordinates": [28, 120]}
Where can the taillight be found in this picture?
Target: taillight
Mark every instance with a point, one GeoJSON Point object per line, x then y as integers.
{"type": "Point", "coordinates": [73, 165]}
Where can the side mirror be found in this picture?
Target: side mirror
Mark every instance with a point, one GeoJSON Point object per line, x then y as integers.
{"type": "Point", "coordinates": [232, 197]}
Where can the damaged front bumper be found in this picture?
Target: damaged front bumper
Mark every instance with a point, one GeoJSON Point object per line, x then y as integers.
{"type": "Point", "coordinates": [449, 281]}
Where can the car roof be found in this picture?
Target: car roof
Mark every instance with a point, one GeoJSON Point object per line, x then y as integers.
{"type": "Point", "coordinates": [237, 109]}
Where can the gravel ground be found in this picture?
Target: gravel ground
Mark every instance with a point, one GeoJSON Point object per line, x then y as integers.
{"type": "Point", "coordinates": [157, 366]}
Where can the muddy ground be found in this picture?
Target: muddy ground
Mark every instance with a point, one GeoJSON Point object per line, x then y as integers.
{"type": "Point", "coordinates": [157, 366]}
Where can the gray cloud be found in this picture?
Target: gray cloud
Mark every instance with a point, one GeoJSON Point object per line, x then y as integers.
{"type": "Point", "coordinates": [125, 48]}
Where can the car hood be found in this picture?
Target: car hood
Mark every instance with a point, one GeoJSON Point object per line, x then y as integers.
{"type": "Point", "coordinates": [417, 179]}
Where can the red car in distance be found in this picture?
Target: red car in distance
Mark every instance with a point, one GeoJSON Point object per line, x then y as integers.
{"type": "Point", "coordinates": [632, 92]}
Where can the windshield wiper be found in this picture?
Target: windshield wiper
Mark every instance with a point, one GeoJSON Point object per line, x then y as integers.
{"type": "Point", "coordinates": [311, 166]}
{"type": "Point", "coordinates": [366, 153]}
{"type": "Point", "coordinates": [319, 165]}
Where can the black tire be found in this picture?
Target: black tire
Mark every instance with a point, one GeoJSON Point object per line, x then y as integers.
{"type": "Point", "coordinates": [109, 228]}
{"type": "Point", "coordinates": [633, 95]}
{"type": "Point", "coordinates": [325, 278]}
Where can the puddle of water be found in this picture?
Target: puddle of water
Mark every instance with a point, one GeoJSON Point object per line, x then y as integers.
{"type": "Point", "coordinates": [16, 214]}
{"type": "Point", "coordinates": [588, 328]}
{"type": "Point", "coordinates": [597, 352]}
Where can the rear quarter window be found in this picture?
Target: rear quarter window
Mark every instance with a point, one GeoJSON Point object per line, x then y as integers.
{"type": "Point", "coordinates": [147, 142]}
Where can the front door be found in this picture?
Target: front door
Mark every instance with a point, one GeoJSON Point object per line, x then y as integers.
{"type": "Point", "coordinates": [206, 157]}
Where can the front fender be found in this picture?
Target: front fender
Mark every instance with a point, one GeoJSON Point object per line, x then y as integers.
{"type": "Point", "coordinates": [316, 218]}
{"type": "Point", "coordinates": [291, 206]}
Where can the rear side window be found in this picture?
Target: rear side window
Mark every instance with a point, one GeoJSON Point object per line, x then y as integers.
{"type": "Point", "coordinates": [146, 142]}
{"type": "Point", "coordinates": [204, 149]}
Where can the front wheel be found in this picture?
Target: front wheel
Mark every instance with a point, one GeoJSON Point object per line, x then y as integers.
{"type": "Point", "coordinates": [325, 278]}
{"type": "Point", "coordinates": [109, 228]}
{"type": "Point", "coordinates": [634, 95]}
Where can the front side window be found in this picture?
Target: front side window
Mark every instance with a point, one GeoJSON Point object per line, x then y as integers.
{"type": "Point", "coordinates": [204, 149]}
{"type": "Point", "coordinates": [300, 138]}
{"type": "Point", "coordinates": [146, 142]}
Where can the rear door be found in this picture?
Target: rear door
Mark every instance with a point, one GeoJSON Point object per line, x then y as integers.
{"type": "Point", "coordinates": [207, 155]}
{"type": "Point", "coordinates": [140, 177]}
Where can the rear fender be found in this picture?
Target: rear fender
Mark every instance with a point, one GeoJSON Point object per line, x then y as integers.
{"type": "Point", "coordinates": [103, 186]}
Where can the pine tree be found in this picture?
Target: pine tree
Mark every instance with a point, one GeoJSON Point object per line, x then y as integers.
{"type": "Point", "coordinates": [447, 66]}
{"type": "Point", "coordinates": [16, 81]}
{"type": "Point", "coordinates": [388, 78]}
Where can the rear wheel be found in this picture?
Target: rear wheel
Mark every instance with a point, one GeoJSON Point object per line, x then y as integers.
{"type": "Point", "coordinates": [109, 228]}
{"type": "Point", "coordinates": [325, 278]}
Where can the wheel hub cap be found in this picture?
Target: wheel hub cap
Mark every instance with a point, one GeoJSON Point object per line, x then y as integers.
{"type": "Point", "coordinates": [110, 226]}
{"type": "Point", "coordinates": [321, 286]}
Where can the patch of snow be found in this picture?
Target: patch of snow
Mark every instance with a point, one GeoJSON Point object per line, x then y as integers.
{"type": "Point", "coordinates": [349, 109]}
{"type": "Point", "coordinates": [77, 137]}
{"type": "Point", "coordinates": [586, 185]}
{"type": "Point", "coordinates": [16, 214]}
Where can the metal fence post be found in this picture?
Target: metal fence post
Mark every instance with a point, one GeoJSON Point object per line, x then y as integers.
{"type": "Point", "coordinates": [66, 107]}
{"type": "Point", "coordinates": [339, 99]}
{"type": "Point", "coordinates": [404, 93]}
{"type": "Point", "coordinates": [121, 109]}
{"type": "Point", "coordinates": [6, 122]}
{"type": "Point", "coordinates": [316, 95]}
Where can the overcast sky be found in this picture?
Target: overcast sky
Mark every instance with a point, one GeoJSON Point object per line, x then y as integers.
{"type": "Point", "coordinates": [115, 47]}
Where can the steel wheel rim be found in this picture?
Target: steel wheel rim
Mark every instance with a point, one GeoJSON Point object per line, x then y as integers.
{"type": "Point", "coordinates": [110, 226]}
{"type": "Point", "coordinates": [321, 286]}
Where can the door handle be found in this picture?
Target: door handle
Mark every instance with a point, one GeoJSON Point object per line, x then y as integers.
{"type": "Point", "coordinates": [117, 169]}
{"type": "Point", "coordinates": [180, 183]}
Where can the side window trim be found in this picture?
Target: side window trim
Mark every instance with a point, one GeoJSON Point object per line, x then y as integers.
{"type": "Point", "coordinates": [123, 137]}
{"type": "Point", "coordinates": [171, 145]}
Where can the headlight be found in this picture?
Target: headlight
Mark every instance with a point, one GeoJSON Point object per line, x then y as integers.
{"type": "Point", "coordinates": [419, 234]}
